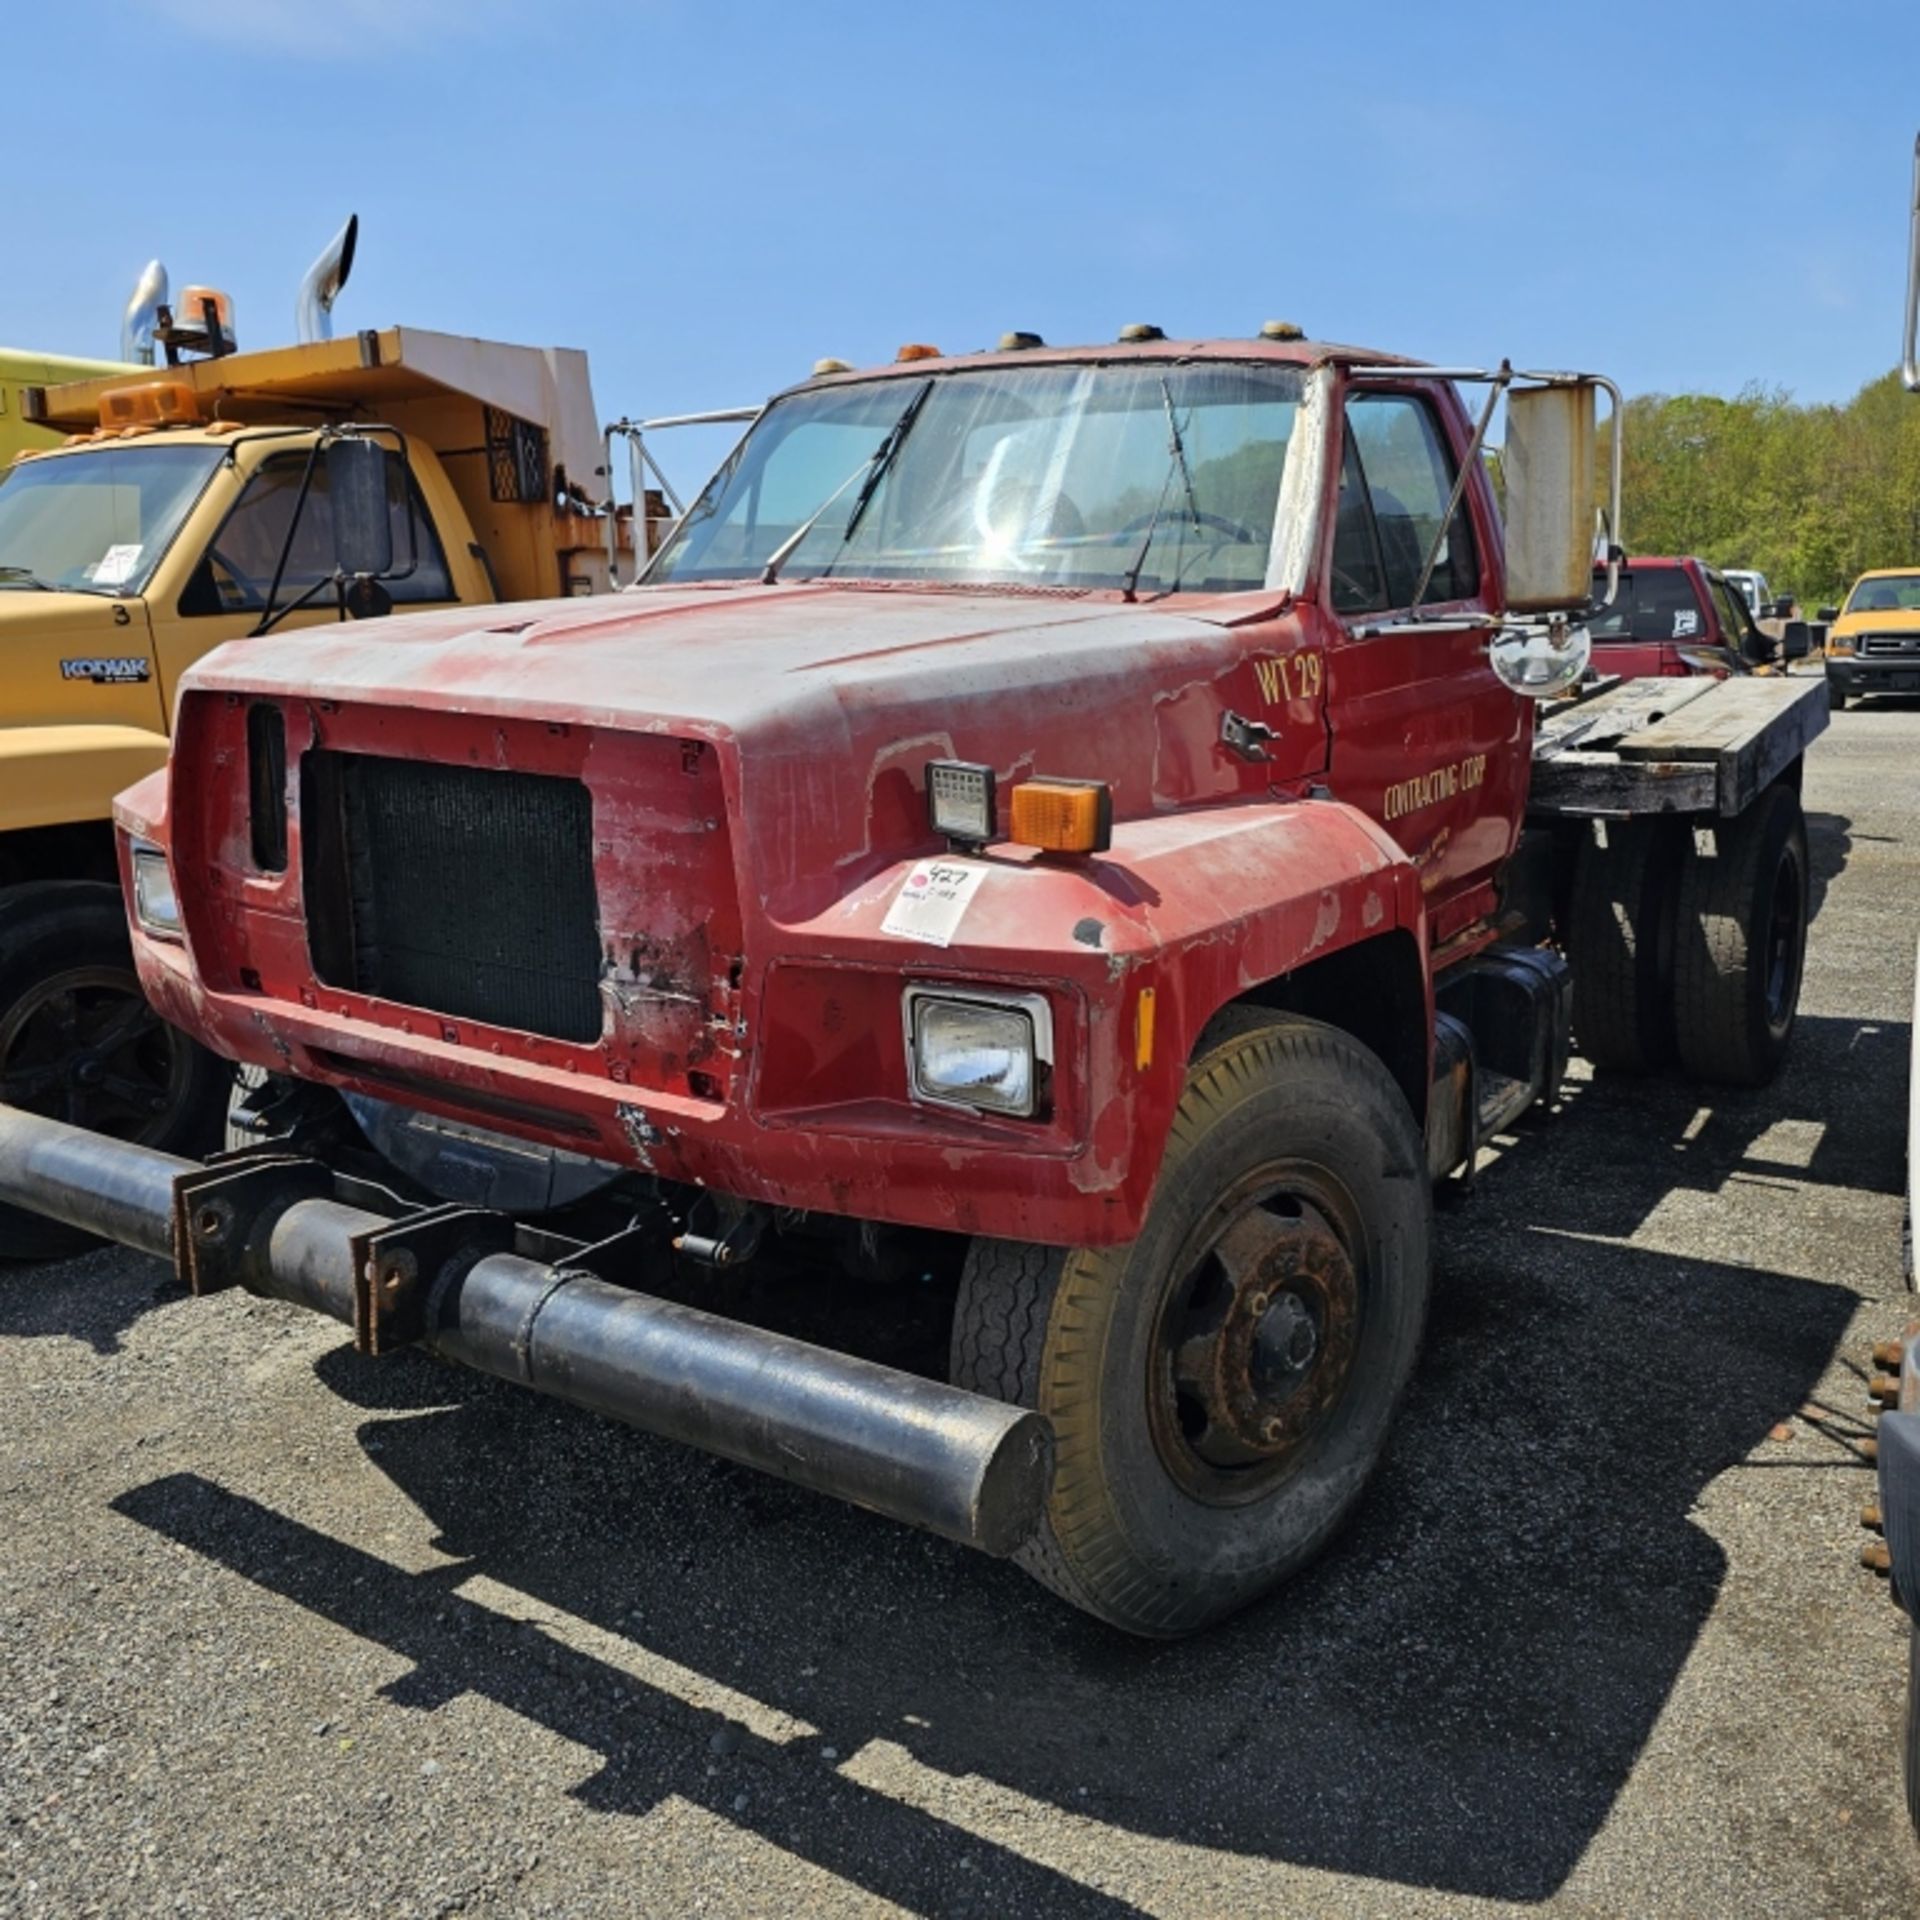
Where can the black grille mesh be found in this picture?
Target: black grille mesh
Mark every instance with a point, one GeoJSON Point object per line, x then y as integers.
{"type": "Point", "coordinates": [461, 890]}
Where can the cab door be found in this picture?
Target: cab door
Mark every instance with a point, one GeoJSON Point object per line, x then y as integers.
{"type": "Point", "coordinates": [219, 587]}
{"type": "Point", "coordinates": [1425, 738]}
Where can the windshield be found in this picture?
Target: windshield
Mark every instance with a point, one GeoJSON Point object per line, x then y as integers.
{"type": "Point", "coordinates": [1044, 476]}
{"type": "Point", "coordinates": [1895, 593]}
{"type": "Point", "coordinates": [1656, 605]}
{"type": "Point", "coordinates": [98, 521]}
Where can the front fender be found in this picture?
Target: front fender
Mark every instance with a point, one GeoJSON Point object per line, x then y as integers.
{"type": "Point", "coordinates": [57, 776]}
{"type": "Point", "coordinates": [1139, 949]}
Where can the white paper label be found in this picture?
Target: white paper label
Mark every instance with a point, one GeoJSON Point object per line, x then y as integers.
{"type": "Point", "coordinates": [1686, 623]}
{"type": "Point", "coordinates": [115, 566]}
{"type": "Point", "coordinates": [931, 901]}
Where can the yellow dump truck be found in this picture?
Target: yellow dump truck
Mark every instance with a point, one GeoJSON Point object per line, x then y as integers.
{"type": "Point", "coordinates": [190, 505]}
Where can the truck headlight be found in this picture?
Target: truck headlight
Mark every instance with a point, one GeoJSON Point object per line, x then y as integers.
{"type": "Point", "coordinates": [987, 1051]}
{"type": "Point", "coordinates": [1839, 643]}
{"type": "Point", "coordinates": [155, 904]}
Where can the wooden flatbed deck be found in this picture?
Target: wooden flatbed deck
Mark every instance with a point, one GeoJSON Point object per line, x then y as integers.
{"type": "Point", "coordinates": [1626, 747]}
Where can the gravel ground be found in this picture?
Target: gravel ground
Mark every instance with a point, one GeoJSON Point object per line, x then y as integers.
{"type": "Point", "coordinates": [285, 1632]}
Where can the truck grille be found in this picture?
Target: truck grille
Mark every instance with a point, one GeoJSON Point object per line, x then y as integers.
{"type": "Point", "coordinates": [1898, 645]}
{"type": "Point", "coordinates": [464, 891]}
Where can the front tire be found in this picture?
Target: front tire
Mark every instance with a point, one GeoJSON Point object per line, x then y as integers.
{"type": "Point", "coordinates": [78, 1042]}
{"type": "Point", "coordinates": [1221, 1388]}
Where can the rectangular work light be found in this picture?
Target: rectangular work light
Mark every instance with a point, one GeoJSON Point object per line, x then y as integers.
{"type": "Point", "coordinates": [960, 801]}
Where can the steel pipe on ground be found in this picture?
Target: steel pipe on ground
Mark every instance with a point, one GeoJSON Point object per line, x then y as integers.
{"type": "Point", "coordinates": [959, 1464]}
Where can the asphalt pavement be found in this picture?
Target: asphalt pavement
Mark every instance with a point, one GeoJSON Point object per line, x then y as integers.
{"type": "Point", "coordinates": [286, 1632]}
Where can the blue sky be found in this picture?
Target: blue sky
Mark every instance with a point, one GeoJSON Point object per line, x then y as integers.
{"type": "Point", "coordinates": [708, 197]}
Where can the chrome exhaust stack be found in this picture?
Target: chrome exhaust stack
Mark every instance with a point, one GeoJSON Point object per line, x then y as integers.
{"type": "Point", "coordinates": [313, 310]}
{"type": "Point", "coordinates": [448, 1279]}
{"type": "Point", "coordinates": [142, 317]}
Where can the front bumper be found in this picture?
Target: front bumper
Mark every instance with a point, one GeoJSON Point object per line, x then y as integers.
{"type": "Point", "coordinates": [465, 1284]}
{"type": "Point", "coordinates": [1855, 675]}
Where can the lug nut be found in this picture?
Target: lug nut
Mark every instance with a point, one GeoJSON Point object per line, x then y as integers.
{"type": "Point", "coordinates": [1885, 1389]}
{"type": "Point", "coordinates": [1889, 1354]}
{"type": "Point", "coordinates": [1870, 1519]}
{"type": "Point", "coordinates": [1869, 1449]}
{"type": "Point", "coordinates": [1875, 1557]}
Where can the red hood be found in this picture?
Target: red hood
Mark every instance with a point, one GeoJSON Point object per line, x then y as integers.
{"type": "Point", "coordinates": [710, 660]}
{"type": "Point", "coordinates": [825, 700]}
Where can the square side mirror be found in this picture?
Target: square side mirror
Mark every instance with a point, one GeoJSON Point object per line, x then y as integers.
{"type": "Point", "coordinates": [357, 497]}
{"type": "Point", "coordinates": [1549, 467]}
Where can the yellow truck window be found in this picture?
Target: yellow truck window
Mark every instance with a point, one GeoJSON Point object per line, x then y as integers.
{"type": "Point", "coordinates": [98, 520]}
{"type": "Point", "coordinates": [239, 566]}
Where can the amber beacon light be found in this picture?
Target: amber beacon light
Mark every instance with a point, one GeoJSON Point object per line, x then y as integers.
{"type": "Point", "coordinates": [1063, 816]}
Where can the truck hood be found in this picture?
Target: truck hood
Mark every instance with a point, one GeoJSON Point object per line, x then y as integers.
{"type": "Point", "coordinates": [715, 661]}
{"type": "Point", "coordinates": [826, 700]}
{"type": "Point", "coordinates": [1891, 620]}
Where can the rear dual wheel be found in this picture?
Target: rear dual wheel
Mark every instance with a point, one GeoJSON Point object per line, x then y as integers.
{"type": "Point", "coordinates": [1221, 1388]}
{"type": "Point", "coordinates": [1688, 942]}
{"type": "Point", "coordinates": [78, 1042]}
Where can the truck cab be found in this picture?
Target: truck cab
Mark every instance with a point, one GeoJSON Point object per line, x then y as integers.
{"type": "Point", "coordinates": [185, 507]}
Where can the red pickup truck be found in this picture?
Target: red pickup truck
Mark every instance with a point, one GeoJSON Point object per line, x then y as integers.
{"type": "Point", "coordinates": [1675, 616]}
{"type": "Point", "coordinates": [1058, 825]}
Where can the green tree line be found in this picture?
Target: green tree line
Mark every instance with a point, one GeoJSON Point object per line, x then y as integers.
{"type": "Point", "coordinates": [1812, 496]}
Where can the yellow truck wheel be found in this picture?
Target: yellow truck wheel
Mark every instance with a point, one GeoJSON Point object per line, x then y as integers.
{"type": "Point", "coordinates": [79, 1042]}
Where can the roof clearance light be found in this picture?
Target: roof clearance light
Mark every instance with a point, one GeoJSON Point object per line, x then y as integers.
{"type": "Point", "coordinates": [918, 351]}
{"type": "Point", "coordinates": [1063, 816]}
{"type": "Point", "coordinates": [960, 801]}
{"type": "Point", "coordinates": [1280, 330]}
{"type": "Point", "coordinates": [831, 365]}
{"type": "Point", "coordinates": [1136, 332]}
{"type": "Point", "coordinates": [150, 403]}
{"type": "Point", "coordinates": [1020, 342]}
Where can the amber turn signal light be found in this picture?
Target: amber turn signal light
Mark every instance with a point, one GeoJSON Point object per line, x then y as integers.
{"type": "Point", "coordinates": [918, 350]}
{"type": "Point", "coordinates": [1063, 816]}
{"type": "Point", "coordinates": [150, 403]}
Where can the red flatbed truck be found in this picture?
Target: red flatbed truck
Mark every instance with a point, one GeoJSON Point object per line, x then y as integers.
{"type": "Point", "coordinates": [1072, 814]}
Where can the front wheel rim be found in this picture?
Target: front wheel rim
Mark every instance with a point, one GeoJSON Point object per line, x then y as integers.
{"type": "Point", "coordinates": [84, 1046]}
{"type": "Point", "coordinates": [1258, 1333]}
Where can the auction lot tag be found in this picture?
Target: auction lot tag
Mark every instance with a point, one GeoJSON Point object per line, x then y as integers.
{"type": "Point", "coordinates": [114, 566]}
{"type": "Point", "coordinates": [931, 901]}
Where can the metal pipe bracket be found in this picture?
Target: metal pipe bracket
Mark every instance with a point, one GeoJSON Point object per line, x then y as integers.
{"type": "Point", "coordinates": [223, 1214]}
{"type": "Point", "coordinates": [398, 1267]}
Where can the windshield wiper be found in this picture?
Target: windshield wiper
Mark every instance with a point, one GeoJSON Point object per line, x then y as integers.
{"type": "Point", "coordinates": [883, 458]}
{"type": "Point", "coordinates": [26, 577]}
{"type": "Point", "coordinates": [873, 466]}
{"type": "Point", "coordinates": [1179, 444]}
{"type": "Point", "coordinates": [1176, 463]}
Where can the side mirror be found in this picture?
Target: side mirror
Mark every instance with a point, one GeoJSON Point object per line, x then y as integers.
{"type": "Point", "coordinates": [1799, 640]}
{"type": "Point", "coordinates": [1549, 466]}
{"type": "Point", "coordinates": [357, 496]}
{"type": "Point", "coordinates": [1541, 662]}
{"type": "Point", "coordinates": [1828, 615]}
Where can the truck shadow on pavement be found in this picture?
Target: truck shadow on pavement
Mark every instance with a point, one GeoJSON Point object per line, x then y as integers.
{"type": "Point", "coordinates": [1453, 1698]}
{"type": "Point", "coordinates": [93, 1297]}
